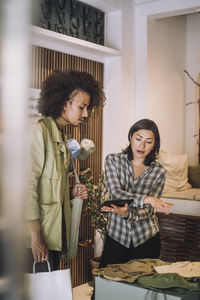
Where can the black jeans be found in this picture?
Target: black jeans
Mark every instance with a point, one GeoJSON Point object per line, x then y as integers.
{"type": "Point", "coordinates": [54, 260]}
{"type": "Point", "coordinates": [115, 253]}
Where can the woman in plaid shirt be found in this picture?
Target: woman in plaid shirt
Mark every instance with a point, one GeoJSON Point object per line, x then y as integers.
{"type": "Point", "coordinates": [133, 230]}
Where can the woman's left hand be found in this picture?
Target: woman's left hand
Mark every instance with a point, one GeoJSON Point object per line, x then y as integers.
{"type": "Point", "coordinates": [120, 210]}
{"type": "Point", "coordinates": [158, 204]}
{"type": "Point", "coordinates": [79, 190]}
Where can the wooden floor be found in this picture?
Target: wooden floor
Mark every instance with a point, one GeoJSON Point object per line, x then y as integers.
{"type": "Point", "coordinates": [83, 292]}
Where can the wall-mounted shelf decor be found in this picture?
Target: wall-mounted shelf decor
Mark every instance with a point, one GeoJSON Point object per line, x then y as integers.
{"type": "Point", "coordinates": [70, 45]}
{"type": "Point", "coordinates": [70, 17]}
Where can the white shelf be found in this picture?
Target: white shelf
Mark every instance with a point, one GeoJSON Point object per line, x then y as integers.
{"type": "Point", "coordinates": [70, 45]}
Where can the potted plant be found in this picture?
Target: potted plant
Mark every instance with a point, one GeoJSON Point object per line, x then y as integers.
{"type": "Point", "coordinates": [97, 194]}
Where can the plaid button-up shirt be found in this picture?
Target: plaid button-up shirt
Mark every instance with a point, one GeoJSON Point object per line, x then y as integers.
{"type": "Point", "coordinates": [141, 222]}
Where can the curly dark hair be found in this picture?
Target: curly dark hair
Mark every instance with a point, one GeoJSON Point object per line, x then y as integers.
{"type": "Point", "coordinates": [59, 86]}
{"type": "Point", "coordinates": [148, 125]}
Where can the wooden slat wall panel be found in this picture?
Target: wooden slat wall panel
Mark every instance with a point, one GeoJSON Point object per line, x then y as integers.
{"type": "Point", "coordinates": [44, 61]}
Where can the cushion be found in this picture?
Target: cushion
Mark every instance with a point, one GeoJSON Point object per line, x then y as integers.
{"type": "Point", "coordinates": [194, 176]}
{"type": "Point", "coordinates": [176, 166]}
{"type": "Point", "coordinates": [197, 194]}
{"type": "Point", "coordinates": [188, 194]}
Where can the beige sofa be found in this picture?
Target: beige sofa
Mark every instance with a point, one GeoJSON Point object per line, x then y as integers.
{"type": "Point", "coordinates": [182, 186]}
{"type": "Point", "coordinates": [180, 231]}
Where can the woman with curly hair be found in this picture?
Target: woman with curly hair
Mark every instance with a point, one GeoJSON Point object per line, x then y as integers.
{"type": "Point", "coordinates": [65, 98]}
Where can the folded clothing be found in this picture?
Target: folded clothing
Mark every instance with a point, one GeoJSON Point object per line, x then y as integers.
{"type": "Point", "coordinates": [143, 272]}
{"type": "Point", "coordinates": [170, 283]}
{"type": "Point", "coordinates": [129, 271]}
{"type": "Point", "coordinates": [186, 269]}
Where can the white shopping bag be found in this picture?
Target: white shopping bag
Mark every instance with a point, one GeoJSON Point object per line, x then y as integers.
{"type": "Point", "coordinates": [82, 151]}
{"type": "Point", "coordinates": [55, 285]}
{"type": "Point", "coordinates": [76, 211]}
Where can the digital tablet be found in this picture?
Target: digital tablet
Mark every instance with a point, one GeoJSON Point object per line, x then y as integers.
{"type": "Point", "coordinates": [116, 202]}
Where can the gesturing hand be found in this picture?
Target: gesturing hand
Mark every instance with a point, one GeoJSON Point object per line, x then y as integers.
{"type": "Point", "coordinates": [158, 204]}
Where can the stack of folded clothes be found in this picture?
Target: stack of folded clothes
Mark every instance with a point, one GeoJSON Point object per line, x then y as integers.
{"type": "Point", "coordinates": [177, 278]}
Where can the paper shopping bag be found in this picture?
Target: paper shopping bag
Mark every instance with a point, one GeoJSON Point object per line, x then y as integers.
{"type": "Point", "coordinates": [76, 210]}
{"type": "Point", "coordinates": [55, 285]}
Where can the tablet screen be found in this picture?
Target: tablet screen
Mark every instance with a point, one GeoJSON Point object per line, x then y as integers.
{"type": "Point", "coordinates": [116, 202]}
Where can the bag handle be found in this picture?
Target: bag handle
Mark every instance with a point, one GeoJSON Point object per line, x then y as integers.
{"type": "Point", "coordinates": [48, 265]}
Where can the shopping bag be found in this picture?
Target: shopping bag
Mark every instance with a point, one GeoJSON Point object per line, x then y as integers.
{"type": "Point", "coordinates": [82, 151]}
{"type": "Point", "coordinates": [49, 285]}
{"type": "Point", "coordinates": [76, 210]}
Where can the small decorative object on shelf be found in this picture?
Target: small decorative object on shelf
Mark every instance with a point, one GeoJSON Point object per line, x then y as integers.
{"type": "Point", "coordinates": [70, 17]}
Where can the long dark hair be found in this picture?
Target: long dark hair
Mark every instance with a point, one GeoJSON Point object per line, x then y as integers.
{"type": "Point", "coordinates": [148, 125]}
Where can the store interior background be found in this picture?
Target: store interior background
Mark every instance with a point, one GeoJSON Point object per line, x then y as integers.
{"type": "Point", "coordinates": [146, 78]}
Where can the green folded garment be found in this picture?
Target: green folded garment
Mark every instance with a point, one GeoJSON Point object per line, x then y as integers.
{"type": "Point", "coordinates": [169, 282]}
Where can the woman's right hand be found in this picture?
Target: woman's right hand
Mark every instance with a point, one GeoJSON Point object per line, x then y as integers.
{"type": "Point", "coordinates": [122, 211]}
{"type": "Point", "coordinates": [39, 247]}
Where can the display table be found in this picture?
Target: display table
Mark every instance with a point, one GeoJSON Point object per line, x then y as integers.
{"type": "Point", "coordinates": [115, 290]}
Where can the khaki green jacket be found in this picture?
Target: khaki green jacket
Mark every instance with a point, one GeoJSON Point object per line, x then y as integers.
{"type": "Point", "coordinates": [49, 184]}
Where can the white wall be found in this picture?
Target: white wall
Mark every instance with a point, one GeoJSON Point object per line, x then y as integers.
{"type": "Point", "coordinates": [119, 85]}
{"type": "Point", "coordinates": [173, 46]}
{"type": "Point", "coordinates": [172, 116]}
{"type": "Point", "coordinates": [192, 91]}
{"type": "Point", "coordinates": [165, 92]}
{"type": "Point", "coordinates": [119, 111]}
